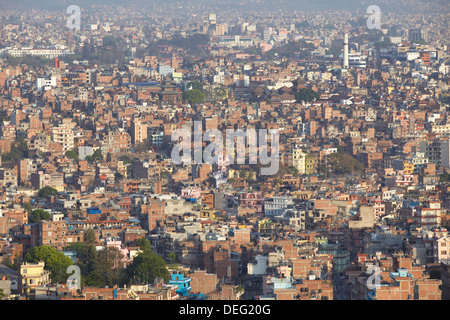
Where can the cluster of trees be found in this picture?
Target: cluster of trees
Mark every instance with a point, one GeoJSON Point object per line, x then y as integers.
{"type": "Point", "coordinates": [197, 93]}
{"type": "Point", "coordinates": [29, 60]}
{"type": "Point", "coordinates": [19, 150]}
{"type": "Point", "coordinates": [47, 191]}
{"type": "Point", "coordinates": [105, 267]}
{"type": "Point", "coordinates": [293, 49]}
{"type": "Point", "coordinates": [444, 177]}
{"type": "Point", "coordinates": [343, 163]}
{"type": "Point", "coordinates": [192, 45]}
{"type": "Point", "coordinates": [306, 95]}
{"type": "Point", "coordinates": [38, 215]}
{"type": "Point", "coordinates": [72, 154]}
{"type": "Point", "coordinates": [55, 261]}
{"type": "Point", "coordinates": [96, 156]}
{"type": "Point", "coordinates": [111, 51]}
{"type": "Point", "coordinates": [194, 94]}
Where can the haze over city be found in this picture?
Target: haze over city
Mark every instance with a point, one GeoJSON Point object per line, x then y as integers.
{"type": "Point", "coordinates": [235, 151]}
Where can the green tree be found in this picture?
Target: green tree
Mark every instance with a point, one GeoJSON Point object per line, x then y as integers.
{"type": "Point", "coordinates": [19, 150]}
{"type": "Point", "coordinates": [107, 268]}
{"type": "Point", "coordinates": [89, 237]}
{"type": "Point", "coordinates": [47, 191]}
{"type": "Point", "coordinates": [173, 257]}
{"type": "Point", "coordinates": [55, 261]}
{"type": "Point", "coordinates": [96, 156]}
{"type": "Point", "coordinates": [194, 96]}
{"type": "Point", "coordinates": [343, 163]}
{"type": "Point", "coordinates": [78, 247]}
{"type": "Point", "coordinates": [146, 266]}
{"type": "Point", "coordinates": [27, 206]}
{"type": "Point", "coordinates": [86, 253]}
{"type": "Point", "coordinates": [293, 170]}
{"type": "Point", "coordinates": [72, 154]}
{"type": "Point", "coordinates": [125, 159]}
{"type": "Point", "coordinates": [118, 177]}
{"type": "Point", "coordinates": [196, 85]}
{"type": "Point", "coordinates": [38, 215]}
{"type": "Point", "coordinates": [306, 95]}
{"type": "Point", "coordinates": [444, 177]}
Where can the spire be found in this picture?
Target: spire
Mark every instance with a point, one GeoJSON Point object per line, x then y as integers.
{"type": "Point", "coordinates": [345, 60]}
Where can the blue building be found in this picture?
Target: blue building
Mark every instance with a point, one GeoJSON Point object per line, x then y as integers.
{"type": "Point", "coordinates": [183, 283]}
{"type": "Point", "coordinates": [94, 210]}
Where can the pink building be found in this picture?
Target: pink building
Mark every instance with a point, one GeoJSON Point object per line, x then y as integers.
{"type": "Point", "coordinates": [195, 193]}
{"type": "Point", "coordinates": [252, 200]}
{"type": "Point", "coordinates": [113, 243]}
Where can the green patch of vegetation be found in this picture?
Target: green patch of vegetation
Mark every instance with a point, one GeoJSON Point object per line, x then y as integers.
{"type": "Point", "coordinates": [444, 177]}
{"type": "Point", "coordinates": [194, 96]}
{"type": "Point", "coordinates": [47, 191]}
{"type": "Point", "coordinates": [31, 61]}
{"type": "Point", "coordinates": [343, 163]}
{"type": "Point", "coordinates": [19, 150]}
{"type": "Point", "coordinates": [306, 95]}
{"type": "Point", "coordinates": [39, 215]}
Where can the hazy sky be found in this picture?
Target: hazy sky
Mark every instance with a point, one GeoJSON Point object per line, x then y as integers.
{"type": "Point", "coordinates": [386, 5]}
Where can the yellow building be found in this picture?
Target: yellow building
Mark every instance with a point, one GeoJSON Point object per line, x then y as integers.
{"type": "Point", "coordinates": [265, 226]}
{"type": "Point", "coordinates": [207, 213]}
{"type": "Point", "coordinates": [299, 160]}
{"type": "Point", "coordinates": [408, 168]}
{"type": "Point", "coordinates": [310, 165]}
{"type": "Point", "coordinates": [33, 274]}
{"type": "Point", "coordinates": [122, 168]}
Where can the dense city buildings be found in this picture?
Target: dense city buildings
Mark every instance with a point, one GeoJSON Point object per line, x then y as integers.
{"type": "Point", "coordinates": [166, 151]}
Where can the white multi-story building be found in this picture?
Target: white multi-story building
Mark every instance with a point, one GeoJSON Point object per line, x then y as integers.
{"type": "Point", "coordinates": [45, 83]}
{"type": "Point", "coordinates": [236, 41]}
{"type": "Point", "coordinates": [428, 216]}
{"type": "Point", "coordinates": [440, 128]}
{"type": "Point", "coordinates": [299, 160]}
{"type": "Point", "coordinates": [355, 60]}
{"type": "Point", "coordinates": [63, 135]}
{"type": "Point", "coordinates": [46, 53]}
{"type": "Point", "coordinates": [441, 249]}
{"type": "Point", "coordinates": [276, 205]}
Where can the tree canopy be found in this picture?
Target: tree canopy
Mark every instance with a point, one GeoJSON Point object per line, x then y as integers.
{"type": "Point", "coordinates": [194, 96]}
{"type": "Point", "coordinates": [306, 95]}
{"type": "Point", "coordinates": [96, 156]}
{"type": "Point", "coordinates": [344, 163]}
{"type": "Point", "coordinates": [195, 85]}
{"type": "Point", "coordinates": [55, 261]}
{"type": "Point", "coordinates": [147, 265]}
{"type": "Point", "coordinates": [47, 191]}
{"type": "Point", "coordinates": [72, 154]}
{"type": "Point", "coordinates": [19, 150]}
{"type": "Point", "coordinates": [106, 268]}
{"type": "Point", "coordinates": [38, 215]}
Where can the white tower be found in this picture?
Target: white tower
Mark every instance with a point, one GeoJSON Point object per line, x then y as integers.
{"type": "Point", "coordinates": [345, 62]}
